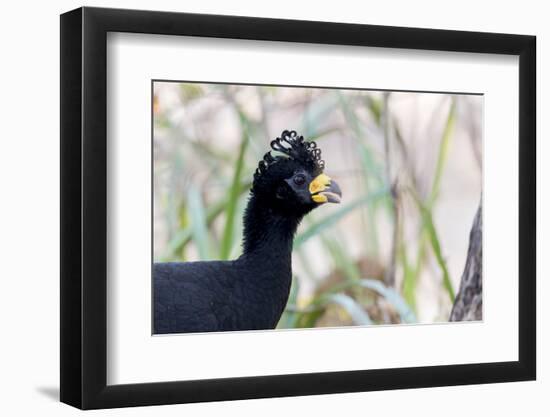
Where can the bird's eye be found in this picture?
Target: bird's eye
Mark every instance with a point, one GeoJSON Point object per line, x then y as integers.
{"type": "Point", "coordinates": [299, 179]}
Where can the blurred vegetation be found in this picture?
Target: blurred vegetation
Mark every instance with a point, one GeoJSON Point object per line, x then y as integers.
{"type": "Point", "coordinates": [207, 143]}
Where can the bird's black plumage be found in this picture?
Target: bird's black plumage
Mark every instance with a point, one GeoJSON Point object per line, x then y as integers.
{"type": "Point", "coordinates": [249, 293]}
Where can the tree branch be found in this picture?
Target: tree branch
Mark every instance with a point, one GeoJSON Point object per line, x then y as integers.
{"type": "Point", "coordinates": [469, 302]}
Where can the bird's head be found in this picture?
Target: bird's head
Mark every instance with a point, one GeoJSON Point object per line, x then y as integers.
{"type": "Point", "coordinates": [290, 178]}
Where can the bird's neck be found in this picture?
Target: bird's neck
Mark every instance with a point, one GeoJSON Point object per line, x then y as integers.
{"type": "Point", "coordinates": [268, 234]}
{"type": "Point", "coordinates": [267, 257]}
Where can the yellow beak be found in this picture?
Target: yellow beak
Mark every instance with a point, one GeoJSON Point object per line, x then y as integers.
{"type": "Point", "coordinates": [324, 190]}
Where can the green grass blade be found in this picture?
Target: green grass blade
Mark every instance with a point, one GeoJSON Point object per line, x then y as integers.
{"type": "Point", "coordinates": [409, 278]}
{"type": "Point", "coordinates": [428, 232]}
{"type": "Point", "coordinates": [288, 318]}
{"type": "Point", "coordinates": [372, 167]}
{"type": "Point", "coordinates": [356, 312]}
{"type": "Point", "coordinates": [443, 152]}
{"type": "Point", "coordinates": [393, 297]}
{"type": "Point", "coordinates": [376, 108]}
{"type": "Point", "coordinates": [341, 258]}
{"type": "Point", "coordinates": [405, 312]}
{"type": "Point", "coordinates": [183, 236]}
{"type": "Point", "coordinates": [335, 217]}
{"type": "Point", "coordinates": [234, 193]}
{"type": "Point", "coordinates": [315, 114]}
{"type": "Point", "coordinates": [199, 230]}
{"type": "Point", "coordinates": [436, 247]}
{"type": "Point", "coordinates": [372, 171]}
{"type": "Point", "coordinates": [176, 244]}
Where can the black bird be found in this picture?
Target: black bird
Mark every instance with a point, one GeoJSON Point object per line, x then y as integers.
{"type": "Point", "coordinates": [251, 292]}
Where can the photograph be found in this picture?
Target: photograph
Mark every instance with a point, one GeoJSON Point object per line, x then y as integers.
{"type": "Point", "coordinates": [291, 207]}
{"type": "Point", "coordinates": [264, 206]}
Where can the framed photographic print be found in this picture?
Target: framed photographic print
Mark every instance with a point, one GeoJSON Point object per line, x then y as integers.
{"type": "Point", "coordinates": [257, 207]}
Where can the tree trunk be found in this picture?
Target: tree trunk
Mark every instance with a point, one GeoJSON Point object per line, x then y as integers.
{"type": "Point", "coordinates": [469, 301]}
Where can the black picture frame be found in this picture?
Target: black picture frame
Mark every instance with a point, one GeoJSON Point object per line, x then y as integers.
{"type": "Point", "coordinates": [84, 207]}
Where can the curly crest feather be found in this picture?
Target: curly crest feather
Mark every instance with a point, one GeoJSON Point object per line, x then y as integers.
{"type": "Point", "coordinates": [295, 147]}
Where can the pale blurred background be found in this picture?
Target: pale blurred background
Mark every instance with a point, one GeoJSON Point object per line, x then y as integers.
{"type": "Point", "coordinates": [409, 165]}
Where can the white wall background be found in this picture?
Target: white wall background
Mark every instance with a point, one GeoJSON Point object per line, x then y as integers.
{"type": "Point", "coordinates": [29, 237]}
